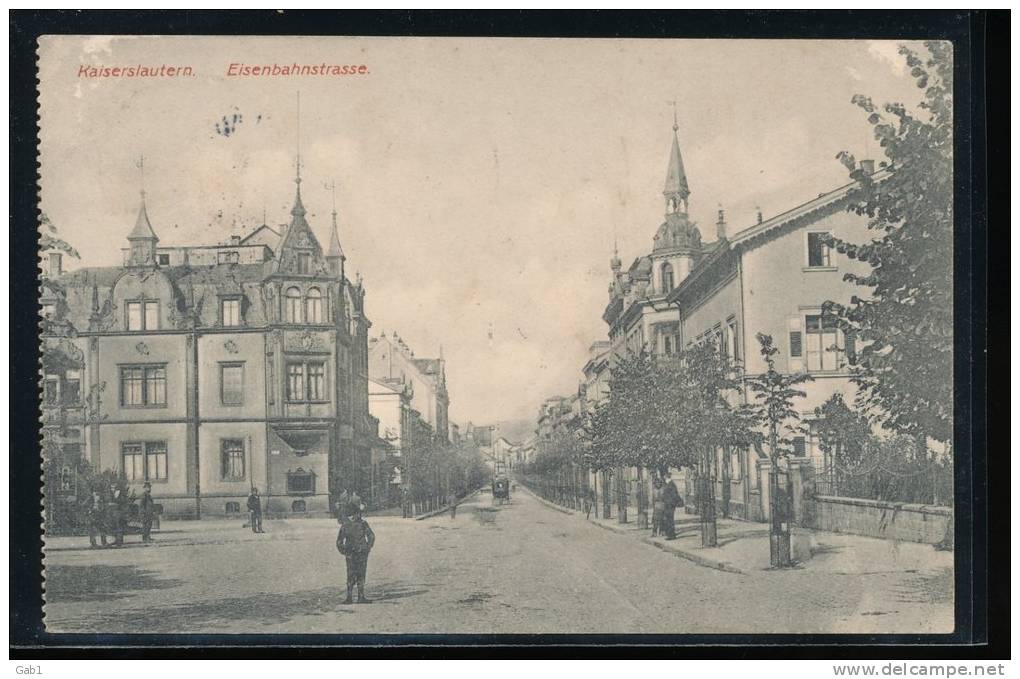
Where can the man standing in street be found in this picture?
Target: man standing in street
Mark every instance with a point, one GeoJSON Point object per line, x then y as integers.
{"type": "Point", "coordinates": [96, 518]}
{"type": "Point", "coordinates": [147, 507]}
{"type": "Point", "coordinates": [355, 540]}
{"type": "Point", "coordinates": [657, 506]}
{"type": "Point", "coordinates": [118, 512]}
{"type": "Point", "coordinates": [451, 500]}
{"type": "Point", "coordinates": [670, 499]}
{"type": "Point", "coordinates": [255, 511]}
{"type": "Point", "coordinates": [405, 502]}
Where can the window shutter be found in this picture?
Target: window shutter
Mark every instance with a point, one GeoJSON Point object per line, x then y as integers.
{"type": "Point", "coordinates": [796, 348]}
{"type": "Point", "coordinates": [851, 347]}
{"type": "Point", "coordinates": [796, 355]}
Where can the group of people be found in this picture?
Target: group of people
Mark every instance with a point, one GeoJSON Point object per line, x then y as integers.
{"type": "Point", "coordinates": [108, 510]}
{"type": "Point", "coordinates": [665, 499]}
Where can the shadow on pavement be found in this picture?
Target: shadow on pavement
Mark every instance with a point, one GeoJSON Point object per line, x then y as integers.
{"type": "Point", "coordinates": [100, 582]}
{"type": "Point", "coordinates": [262, 610]}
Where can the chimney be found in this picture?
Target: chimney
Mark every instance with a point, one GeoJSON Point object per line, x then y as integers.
{"type": "Point", "coordinates": [235, 240]}
{"type": "Point", "coordinates": [720, 225]}
{"type": "Point", "coordinates": [759, 217]}
{"type": "Point", "coordinates": [868, 166]}
{"type": "Point", "coordinates": [56, 264]}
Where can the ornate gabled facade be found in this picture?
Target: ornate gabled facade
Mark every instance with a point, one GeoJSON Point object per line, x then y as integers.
{"type": "Point", "coordinates": [638, 314]}
{"type": "Point", "coordinates": [218, 368]}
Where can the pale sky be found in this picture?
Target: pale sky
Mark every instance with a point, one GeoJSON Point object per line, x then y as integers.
{"type": "Point", "coordinates": [480, 181]}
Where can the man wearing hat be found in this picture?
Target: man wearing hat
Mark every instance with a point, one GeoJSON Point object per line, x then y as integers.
{"type": "Point", "coordinates": [148, 509]}
{"type": "Point", "coordinates": [355, 540]}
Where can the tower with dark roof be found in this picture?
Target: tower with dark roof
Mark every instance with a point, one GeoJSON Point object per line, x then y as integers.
{"type": "Point", "coordinates": [676, 190]}
{"type": "Point", "coordinates": [335, 257]}
{"type": "Point", "coordinates": [142, 240]}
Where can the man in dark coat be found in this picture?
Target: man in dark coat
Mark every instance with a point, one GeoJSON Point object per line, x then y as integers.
{"type": "Point", "coordinates": [147, 509]}
{"type": "Point", "coordinates": [255, 511]}
{"type": "Point", "coordinates": [670, 499]}
{"type": "Point", "coordinates": [355, 540]}
{"type": "Point", "coordinates": [117, 511]}
{"type": "Point", "coordinates": [96, 512]}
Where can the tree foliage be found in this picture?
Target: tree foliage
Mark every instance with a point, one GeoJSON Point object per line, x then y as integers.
{"type": "Point", "coordinates": [774, 395]}
{"type": "Point", "coordinates": [905, 317]}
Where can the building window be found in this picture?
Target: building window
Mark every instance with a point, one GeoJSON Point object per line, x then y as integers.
{"type": "Point", "coordinates": [818, 251]}
{"type": "Point", "coordinates": [292, 306]}
{"type": "Point", "coordinates": [155, 461]}
{"type": "Point", "coordinates": [163, 259]}
{"type": "Point", "coordinates": [824, 345]}
{"type": "Point", "coordinates": [133, 462]}
{"type": "Point", "coordinates": [71, 390]}
{"type": "Point", "coordinates": [232, 459]}
{"type": "Point", "coordinates": [144, 461]}
{"type": "Point", "coordinates": [51, 390]}
{"type": "Point", "coordinates": [667, 277]}
{"type": "Point", "coordinates": [232, 508]}
{"type": "Point", "coordinates": [799, 446]}
{"type": "Point", "coordinates": [316, 381]}
{"type": "Point", "coordinates": [232, 384]}
{"type": "Point", "coordinates": [304, 262]}
{"type": "Point", "coordinates": [301, 482]}
{"type": "Point", "coordinates": [49, 310]}
{"type": "Point", "coordinates": [313, 306]}
{"type": "Point", "coordinates": [227, 257]}
{"type": "Point", "coordinates": [306, 381]}
{"type": "Point", "coordinates": [732, 346]}
{"type": "Point", "coordinates": [143, 315]}
{"type": "Point", "coordinates": [230, 311]}
{"type": "Point", "coordinates": [298, 506]}
{"type": "Point", "coordinates": [143, 385]}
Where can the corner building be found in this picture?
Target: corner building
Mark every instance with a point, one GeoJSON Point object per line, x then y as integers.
{"type": "Point", "coordinates": [214, 369]}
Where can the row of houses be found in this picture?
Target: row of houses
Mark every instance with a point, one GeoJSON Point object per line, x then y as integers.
{"type": "Point", "coordinates": [209, 370]}
{"type": "Point", "coordinates": [771, 277]}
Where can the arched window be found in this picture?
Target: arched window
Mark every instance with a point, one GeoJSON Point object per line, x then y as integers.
{"type": "Point", "coordinates": [313, 306]}
{"type": "Point", "coordinates": [667, 277]}
{"type": "Point", "coordinates": [292, 306]}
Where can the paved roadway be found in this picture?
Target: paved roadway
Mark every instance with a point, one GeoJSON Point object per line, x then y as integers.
{"type": "Point", "coordinates": [521, 568]}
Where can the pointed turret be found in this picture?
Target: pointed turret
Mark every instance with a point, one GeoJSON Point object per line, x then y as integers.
{"type": "Point", "coordinates": [676, 190]}
{"type": "Point", "coordinates": [142, 239]}
{"type": "Point", "coordinates": [335, 255]}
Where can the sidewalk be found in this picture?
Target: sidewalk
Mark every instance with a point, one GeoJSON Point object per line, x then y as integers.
{"type": "Point", "coordinates": [744, 547]}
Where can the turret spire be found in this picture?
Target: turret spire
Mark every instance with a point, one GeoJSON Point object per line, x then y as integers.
{"type": "Point", "coordinates": [676, 190]}
{"type": "Point", "coordinates": [299, 209]}
{"type": "Point", "coordinates": [142, 238]}
{"type": "Point", "coordinates": [335, 253]}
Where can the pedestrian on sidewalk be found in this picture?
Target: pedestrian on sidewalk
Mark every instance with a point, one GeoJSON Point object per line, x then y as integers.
{"type": "Point", "coordinates": [255, 511]}
{"type": "Point", "coordinates": [405, 502]}
{"type": "Point", "coordinates": [670, 500]}
{"type": "Point", "coordinates": [118, 512]}
{"type": "Point", "coordinates": [148, 508]}
{"type": "Point", "coordinates": [96, 514]}
{"type": "Point", "coordinates": [658, 506]}
{"type": "Point", "coordinates": [355, 540]}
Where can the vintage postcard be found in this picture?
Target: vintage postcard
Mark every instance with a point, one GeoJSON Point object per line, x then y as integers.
{"type": "Point", "coordinates": [496, 336]}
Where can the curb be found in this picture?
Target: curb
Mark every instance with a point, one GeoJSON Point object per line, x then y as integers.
{"type": "Point", "coordinates": [679, 553]}
{"type": "Point", "coordinates": [437, 512]}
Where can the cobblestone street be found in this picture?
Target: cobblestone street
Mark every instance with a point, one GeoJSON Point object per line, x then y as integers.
{"type": "Point", "coordinates": [521, 568]}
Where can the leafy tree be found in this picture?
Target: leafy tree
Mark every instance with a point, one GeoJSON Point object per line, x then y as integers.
{"type": "Point", "coordinates": [844, 434]}
{"type": "Point", "coordinates": [774, 396]}
{"type": "Point", "coordinates": [905, 317]}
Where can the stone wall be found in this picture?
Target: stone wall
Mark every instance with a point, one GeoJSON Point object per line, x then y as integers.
{"type": "Point", "coordinates": [890, 520]}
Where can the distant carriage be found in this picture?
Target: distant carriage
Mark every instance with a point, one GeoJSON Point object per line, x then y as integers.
{"type": "Point", "coordinates": [500, 490]}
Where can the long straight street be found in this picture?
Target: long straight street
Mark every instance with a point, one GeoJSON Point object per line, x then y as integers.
{"type": "Point", "coordinates": [520, 568]}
